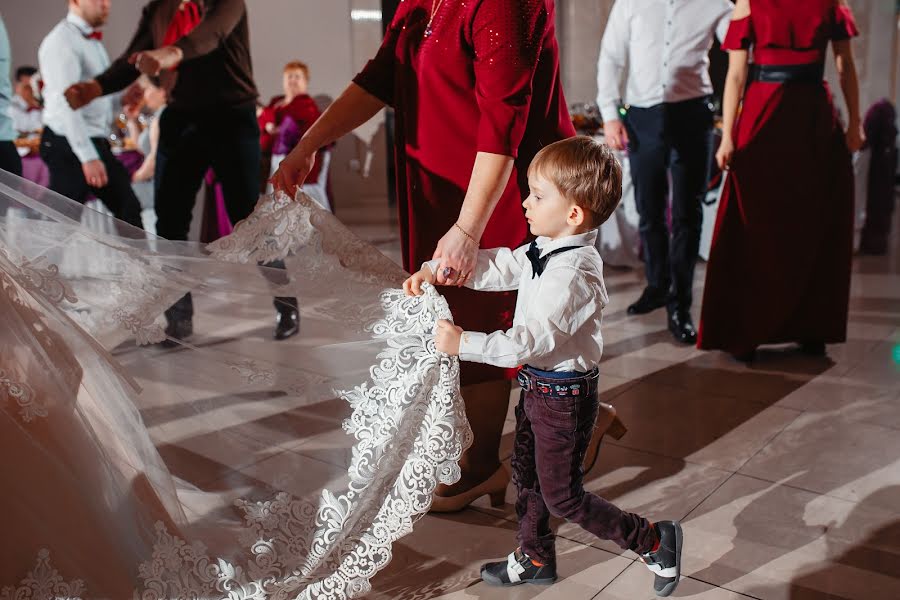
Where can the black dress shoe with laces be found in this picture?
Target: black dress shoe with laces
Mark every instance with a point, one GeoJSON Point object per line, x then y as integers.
{"type": "Point", "coordinates": [665, 562]}
{"type": "Point", "coordinates": [287, 323]}
{"type": "Point", "coordinates": [650, 300]}
{"type": "Point", "coordinates": [516, 570]}
{"type": "Point", "coordinates": [682, 327]}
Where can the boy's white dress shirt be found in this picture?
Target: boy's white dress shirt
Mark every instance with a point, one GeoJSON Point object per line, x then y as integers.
{"type": "Point", "coordinates": [557, 321]}
{"type": "Point", "coordinates": [66, 56]}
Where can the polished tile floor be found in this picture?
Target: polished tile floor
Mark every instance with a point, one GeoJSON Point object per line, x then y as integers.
{"type": "Point", "coordinates": [785, 473]}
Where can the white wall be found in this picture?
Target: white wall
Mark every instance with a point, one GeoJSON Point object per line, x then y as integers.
{"type": "Point", "coordinates": [580, 25]}
{"type": "Point", "coordinates": [873, 50]}
{"type": "Point", "coordinates": [314, 31]}
{"type": "Point", "coordinates": [317, 32]}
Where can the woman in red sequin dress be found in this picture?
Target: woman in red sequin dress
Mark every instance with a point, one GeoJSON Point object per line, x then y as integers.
{"type": "Point", "coordinates": [779, 267]}
{"type": "Point", "coordinates": [475, 86]}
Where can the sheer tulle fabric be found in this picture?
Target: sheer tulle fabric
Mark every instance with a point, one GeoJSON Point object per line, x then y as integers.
{"type": "Point", "coordinates": [100, 437]}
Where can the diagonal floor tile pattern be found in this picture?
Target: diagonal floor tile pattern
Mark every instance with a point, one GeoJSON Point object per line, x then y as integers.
{"type": "Point", "coordinates": [785, 473]}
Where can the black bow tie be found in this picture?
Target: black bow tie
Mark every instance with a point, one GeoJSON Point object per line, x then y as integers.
{"type": "Point", "coordinates": [538, 263]}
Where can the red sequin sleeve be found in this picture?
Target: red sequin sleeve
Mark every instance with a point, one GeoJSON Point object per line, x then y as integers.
{"type": "Point", "coordinates": [507, 38]}
{"type": "Point", "coordinates": [740, 35]}
{"type": "Point", "coordinates": [844, 23]}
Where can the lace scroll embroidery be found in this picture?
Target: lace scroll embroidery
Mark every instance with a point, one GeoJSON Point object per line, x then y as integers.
{"type": "Point", "coordinates": [410, 430]}
{"type": "Point", "coordinates": [46, 281]}
{"type": "Point", "coordinates": [251, 372]}
{"type": "Point", "coordinates": [23, 395]}
{"type": "Point", "coordinates": [44, 583]}
{"type": "Point", "coordinates": [276, 228]}
{"type": "Point", "coordinates": [280, 227]}
{"type": "Point", "coordinates": [138, 300]}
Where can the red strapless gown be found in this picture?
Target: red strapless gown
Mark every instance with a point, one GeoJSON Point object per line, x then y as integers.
{"type": "Point", "coordinates": [485, 79]}
{"type": "Point", "coordinates": [779, 267]}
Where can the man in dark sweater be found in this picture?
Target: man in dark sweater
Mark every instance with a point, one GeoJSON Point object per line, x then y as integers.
{"type": "Point", "coordinates": [200, 50]}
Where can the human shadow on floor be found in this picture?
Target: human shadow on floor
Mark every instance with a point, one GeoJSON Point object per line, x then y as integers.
{"type": "Point", "coordinates": [632, 344]}
{"type": "Point", "coordinates": [673, 415]}
{"type": "Point", "coordinates": [444, 554]}
{"type": "Point", "coordinates": [204, 455]}
{"type": "Point", "coordinates": [862, 554]}
{"type": "Point", "coordinates": [154, 416]}
{"type": "Point", "coordinates": [614, 289]}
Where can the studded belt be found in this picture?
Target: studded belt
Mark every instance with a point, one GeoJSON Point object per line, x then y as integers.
{"type": "Point", "coordinates": [579, 385]}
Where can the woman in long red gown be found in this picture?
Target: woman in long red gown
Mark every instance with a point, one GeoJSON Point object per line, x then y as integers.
{"type": "Point", "coordinates": [779, 267]}
{"type": "Point", "coordinates": [476, 90]}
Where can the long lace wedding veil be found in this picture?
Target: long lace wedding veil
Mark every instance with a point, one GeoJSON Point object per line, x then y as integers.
{"type": "Point", "coordinates": [230, 466]}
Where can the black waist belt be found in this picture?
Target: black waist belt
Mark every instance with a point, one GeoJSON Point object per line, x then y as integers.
{"type": "Point", "coordinates": [811, 73]}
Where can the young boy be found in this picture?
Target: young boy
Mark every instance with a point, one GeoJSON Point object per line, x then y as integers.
{"type": "Point", "coordinates": [575, 185]}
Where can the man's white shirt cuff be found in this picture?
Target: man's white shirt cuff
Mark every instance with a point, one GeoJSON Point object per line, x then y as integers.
{"type": "Point", "coordinates": [610, 112]}
{"type": "Point", "coordinates": [85, 153]}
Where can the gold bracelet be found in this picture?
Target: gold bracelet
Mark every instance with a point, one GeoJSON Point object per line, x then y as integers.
{"type": "Point", "coordinates": [466, 233]}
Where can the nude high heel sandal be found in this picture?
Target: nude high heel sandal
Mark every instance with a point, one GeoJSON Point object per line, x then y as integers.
{"type": "Point", "coordinates": [494, 487]}
{"type": "Point", "coordinates": [608, 423]}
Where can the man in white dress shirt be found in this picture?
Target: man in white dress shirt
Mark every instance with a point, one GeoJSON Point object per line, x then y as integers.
{"type": "Point", "coordinates": [659, 49]}
{"type": "Point", "coordinates": [75, 144]}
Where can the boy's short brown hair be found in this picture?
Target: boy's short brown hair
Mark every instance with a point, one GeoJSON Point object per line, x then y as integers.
{"type": "Point", "coordinates": [296, 65]}
{"type": "Point", "coordinates": [585, 172]}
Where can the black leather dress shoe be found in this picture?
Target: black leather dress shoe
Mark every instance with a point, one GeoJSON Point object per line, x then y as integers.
{"type": "Point", "coordinates": [176, 331]}
{"type": "Point", "coordinates": [682, 327]}
{"type": "Point", "coordinates": [649, 301]}
{"type": "Point", "coordinates": [287, 324]}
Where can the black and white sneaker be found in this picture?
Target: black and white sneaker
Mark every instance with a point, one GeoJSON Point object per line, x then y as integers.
{"type": "Point", "coordinates": [666, 561]}
{"type": "Point", "coordinates": [517, 569]}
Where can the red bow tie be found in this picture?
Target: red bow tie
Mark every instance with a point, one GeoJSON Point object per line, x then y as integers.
{"type": "Point", "coordinates": [94, 35]}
